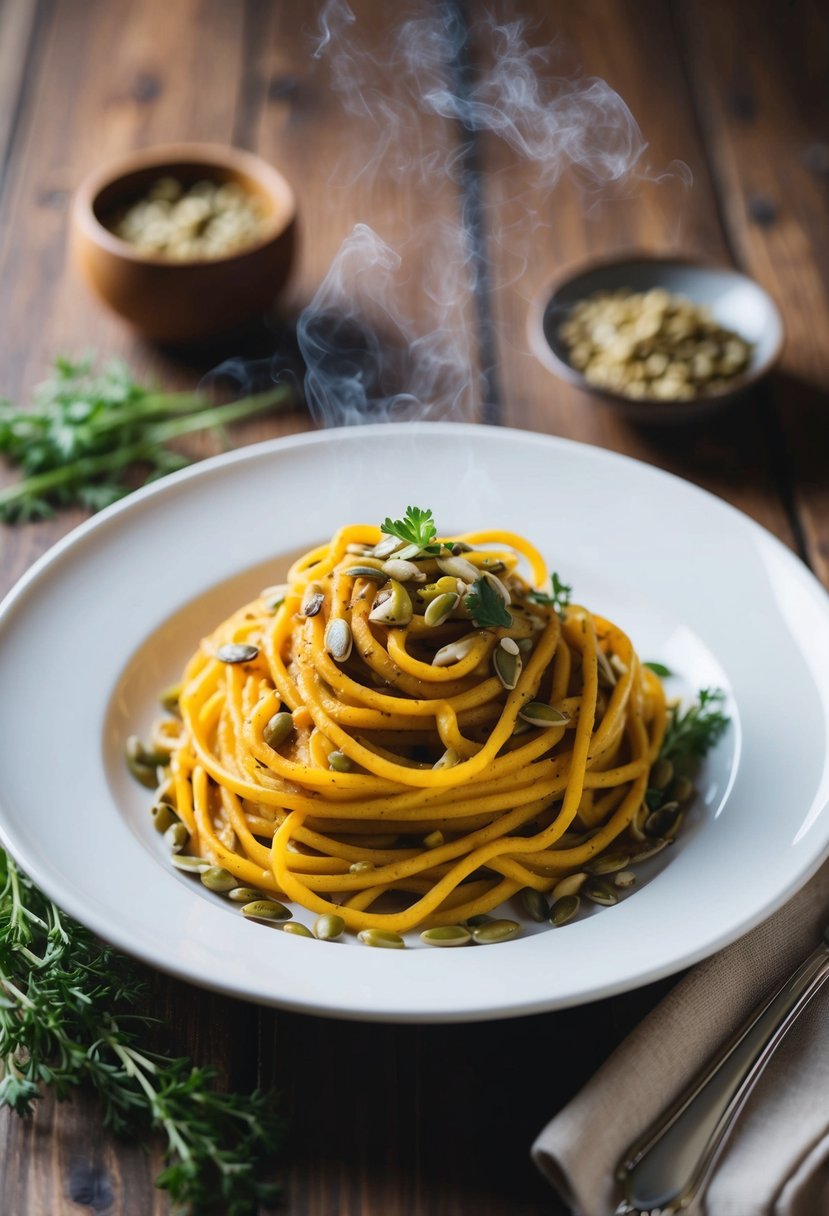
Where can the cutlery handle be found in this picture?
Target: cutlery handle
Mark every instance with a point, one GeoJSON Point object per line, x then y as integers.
{"type": "Point", "coordinates": [665, 1168]}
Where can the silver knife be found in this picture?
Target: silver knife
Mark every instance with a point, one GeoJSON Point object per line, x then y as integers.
{"type": "Point", "coordinates": [667, 1167]}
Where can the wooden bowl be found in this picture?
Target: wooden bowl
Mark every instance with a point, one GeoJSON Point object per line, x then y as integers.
{"type": "Point", "coordinates": [183, 301]}
{"type": "Point", "coordinates": [736, 302]}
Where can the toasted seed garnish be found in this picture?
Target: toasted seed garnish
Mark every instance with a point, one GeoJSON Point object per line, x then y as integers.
{"type": "Point", "coordinates": [274, 597]}
{"type": "Point", "coordinates": [459, 567]}
{"type": "Point", "coordinates": [608, 863]}
{"type": "Point", "coordinates": [143, 763]}
{"type": "Point", "coordinates": [481, 918]}
{"type": "Point", "coordinates": [408, 552]}
{"type": "Point", "coordinates": [217, 878]}
{"type": "Point", "coordinates": [510, 645]}
{"type": "Point", "coordinates": [681, 790]}
{"type": "Point", "coordinates": [495, 931]}
{"type": "Point", "coordinates": [507, 667]}
{"type": "Point", "coordinates": [329, 927]}
{"type": "Point", "coordinates": [169, 698]}
{"type": "Point", "coordinates": [404, 572]}
{"type": "Point", "coordinates": [163, 816]}
{"type": "Point", "coordinates": [338, 639]}
{"type": "Point", "coordinates": [361, 867]}
{"type": "Point", "coordinates": [393, 610]}
{"type": "Point", "coordinates": [382, 938]}
{"type": "Point", "coordinates": [312, 600]}
{"type": "Point", "coordinates": [497, 586]}
{"type": "Point", "coordinates": [448, 760]}
{"type": "Point", "coordinates": [266, 909]}
{"type": "Point", "coordinates": [434, 840]}
{"type": "Point", "coordinates": [661, 775]}
{"type": "Point", "coordinates": [440, 608]}
{"type": "Point", "coordinates": [454, 651]}
{"type": "Point", "coordinates": [176, 837]}
{"type": "Point", "coordinates": [535, 904]}
{"type": "Point", "coordinates": [624, 879]}
{"type": "Point", "coordinates": [571, 885]}
{"type": "Point", "coordinates": [537, 713]}
{"type": "Point", "coordinates": [340, 762]}
{"type": "Point", "coordinates": [654, 847]}
{"type": "Point", "coordinates": [607, 676]}
{"type": "Point", "coordinates": [619, 666]}
{"type": "Point", "coordinates": [525, 645]}
{"type": "Point", "coordinates": [663, 820]}
{"type": "Point", "coordinates": [460, 546]}
{"type": "Point", "coordinates": [193, 865]}
{"type": "Point", "coordinates": [600, 892]}
{"type": "Point", "coordinates": [494, 566]}
{"type": "Point", "coordinates": [366, 572]}
{"type": "Point", "coordinates": [386, 546]}
{"type": "Point", "coordinates": [297, 929]}
{"type": "Point", "coordinates": [278, 728]}
{"type": "Point", "coordinates": [446, 935]}
{"type": "Point", "coordinates": [237, 652]}
{"type": "Point", "coordinates": [564, 909]}
{"type": "Point", "coordinates": [243, 895]}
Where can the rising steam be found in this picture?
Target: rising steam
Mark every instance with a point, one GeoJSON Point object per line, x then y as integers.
{"type": "Point", "coordinates": [423, 112]}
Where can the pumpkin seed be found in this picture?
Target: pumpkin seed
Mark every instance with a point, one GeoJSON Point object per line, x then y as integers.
{"type": "Point", "coordinates": [237, 652]}
{"type": "Point", "coordinates": [361, 867]}
{"type": "Point", "coordinates": [459, 567]}
{"type": "Point", "coordinates": [382, 938]}
{"type": "Point", "coordinates": [266, 909]}
{"type": "Point", "coordinates": [480, 918]}
{"type": "Point", "coordinates": [564, 909]}
{"type": "Point", "coordinates": [493, 566]}
{"type": "Point", "coordinates": [624, 879]}
{"type": "Point", "coordinates": [408, 552]}
{"type": "Point", "coordinates": [169, 698]}
{"type": "Point", "coordinates": [600, 892]}
{"type": "Point", "coordinates": [498, 587]}
{"type": "Point", "coordinates": [393, 609]}
{"type": "Point", "coordinates": [608, 863]}
{"type": "Point", "coordinates": [217, 878]}
{"type": "Point", "coordinates": [510, 645]}
{"type": "Point", "coordinates": [404, 572]}
{"type": "Point", "coordinates": [440, 608]}
{"type": "Point", "coordinates": [537, 713]}
{"type": "Point", "coordinates": [386, 546]}
{"type": "Point", "coordinates": [460, 546]}
{"type": "Point", "coordinates": [663, 820]}
{"type": "Point", "coordinates": [495, 931]}
{"type": "Point", "coordinates": [163, 816]}
{"type": "Point", "coordinates": [329, 927]}
{"type": "Point", "coordinates": [446, 935]}
{"type": "Point", "coordinates": [448, 760]}
{"type": "Point", "coordinates": [277, 729]}
{"type": "Point", "coordinates": [340, 762]}
{"type": "Point", "coordinates": [525, 645]}
{"type": "Point", "coordinates": [297, 929]}
{"type": "Point", "coordinates": [366, 572]}
{"type": "Point", "coordinates": [434, 840]}
{"type": "Point", "coordinates": [654, 847]}
{"type": "Point", "coordinates": [507, 667]}
{"type": "Point", "coordinates": [192, 865]}
{"type": "Point", "coordinates": [681, 790]}
{"type": "Point", "coordinates": [312, 600]}
{"type": "Point", "coordinates": [338, 639]}
{"type": "Point", "coordinates": [571, 885]}
{"type": "Point", "coordinates": [607, 675]}
{"type": "Point", "coordinates": [454, 651]}
{"type": "Point", "coordinates": [243, 895]}
{"type": "Point", "coordinates": [661, 775]}
{"type": "Point", "coordinates": [176, 837]}
{"type": "Point", "coordinates": [620, 668]}
{"type": "Point", "coordinates": [535, 904]}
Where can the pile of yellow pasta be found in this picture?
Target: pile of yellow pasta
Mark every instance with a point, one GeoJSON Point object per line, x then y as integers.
{"type": "Point", "coordinates": [411, 786]}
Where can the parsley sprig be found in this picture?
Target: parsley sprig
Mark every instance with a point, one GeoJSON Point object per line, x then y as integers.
{"type": "Point", "coordinates": [87, 430]}
{"type": "Point", "coordinates": [69, 1015]}
{"type": "Point", "coordinates": [690, 735]}
{"type": "Point", "coordinates": [559, 597]}
{"type": "Point", "coordinates": [417, 527]}
{"type": "Point", "coordinates": [486, 607]}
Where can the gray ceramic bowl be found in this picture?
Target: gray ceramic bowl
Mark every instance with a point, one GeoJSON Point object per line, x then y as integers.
{"type": "Point", "coordinates": [737, 302]}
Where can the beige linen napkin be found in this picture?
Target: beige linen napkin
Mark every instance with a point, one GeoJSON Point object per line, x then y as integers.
{"type": "Point", "coordinates": [776, 1162]}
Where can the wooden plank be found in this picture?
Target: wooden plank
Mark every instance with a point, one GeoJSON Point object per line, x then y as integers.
{"type": "Point", "coordinates": [537, 231]}
{"type": "Point", "coordinates": [17, 22]}
{"type": "Point", "coordinates": [761, 89]}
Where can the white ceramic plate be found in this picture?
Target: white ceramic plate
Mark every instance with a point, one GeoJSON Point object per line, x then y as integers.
{"type": "Point", "coordinates": [107, 617]}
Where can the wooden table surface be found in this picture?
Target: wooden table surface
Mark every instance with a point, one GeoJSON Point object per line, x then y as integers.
{"type": "Point", "coordinates": [407, 1120]}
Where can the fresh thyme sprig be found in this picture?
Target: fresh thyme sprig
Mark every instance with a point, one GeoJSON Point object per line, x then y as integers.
{"type": "Point", "coordinates": [69, 1015]}
{"type": "Point", "coordinates": [86, 429]}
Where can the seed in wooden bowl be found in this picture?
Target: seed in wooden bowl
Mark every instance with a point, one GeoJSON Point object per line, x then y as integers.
{"type": "Point", "coordinates": [205, 220]}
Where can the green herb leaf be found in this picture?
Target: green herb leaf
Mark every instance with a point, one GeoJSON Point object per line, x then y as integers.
{"type": "Point", "coordinates": [659, 669]}
{"type": "Point", "coordinates": [70, 1015]}
{"type": "Point", "coordinates": [486, 607]}
{"type": "Point", "coordinates": [694, 732]}
{"type": "Point", "coordinates": [417, 527]}
{"type": "Point", "coordinates": [86, 430]}
{"type": "Point", "coordinates": [559, 597]}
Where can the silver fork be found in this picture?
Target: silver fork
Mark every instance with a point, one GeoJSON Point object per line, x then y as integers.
{"type": "Point", "coordinates": [667, 1167]}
